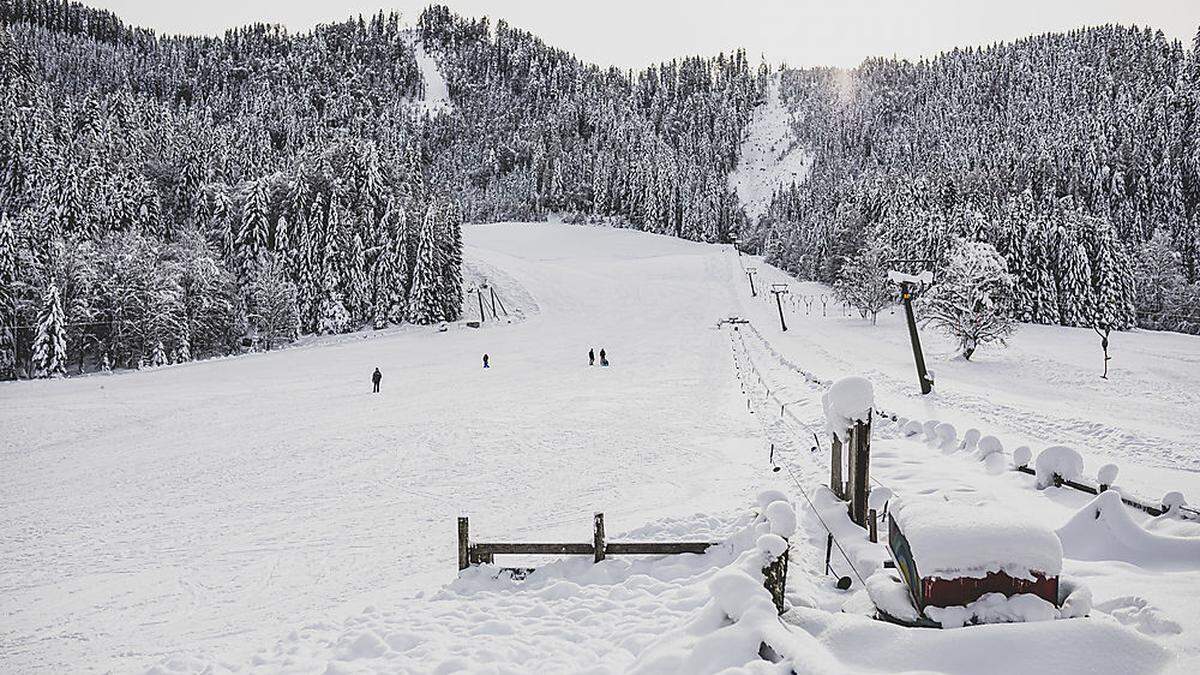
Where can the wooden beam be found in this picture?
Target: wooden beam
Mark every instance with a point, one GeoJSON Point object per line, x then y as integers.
{"type": "Point", "coordinates": [464, 559]}
{"type": "Point", "coordinates": [598, 536]}
{"type": "Point", "coordinates": [497, 548]}
{"type": "Point", "coordinates": [656, 548]}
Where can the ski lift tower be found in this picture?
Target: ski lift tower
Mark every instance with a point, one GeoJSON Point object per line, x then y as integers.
{"type": "Point", "coordinates": [910, 287]}
{"type": "Point", "coordinates": [778, 290]}
{"type": "Point", "coordinates": [750, 272]}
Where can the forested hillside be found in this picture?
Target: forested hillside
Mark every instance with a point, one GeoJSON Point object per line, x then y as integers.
{"type": "Point", "coordinates": [1076, 155]}
{"type": "Point", "coordinates": [169, 198]}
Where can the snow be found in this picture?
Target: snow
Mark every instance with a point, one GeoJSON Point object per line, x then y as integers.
{"type": "Point", "coordinates": [770, 155]}
{"type": "Point", "coordinates": [1057, 460]}
{"type": "Point", "coordinates": [951, 540]}
{"type": "Point", "coordinates": [1022, 456]}
{"type": "Point", "coordinates": [437, 94]}
{"type": "Point", "coordinates": [898, 277]}
{"type": "Point", "coordinates": [292, 522]}
{"type": "Point", "coordinates": [849, 400]}
{"type": "Point", "coordinates": [1107, 474]}
{"type": "Point", "coordinates": [1104, 530]}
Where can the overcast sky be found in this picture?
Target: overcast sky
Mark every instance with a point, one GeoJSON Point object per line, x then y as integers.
{"type": "Point", "coordinates": [631, 33]}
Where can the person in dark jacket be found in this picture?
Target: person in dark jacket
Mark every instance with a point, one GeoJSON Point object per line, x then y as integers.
{"type": "Point", "coordinates": [591, 356]}
{"type": "Point", "coordinates": [603, 357]}
{"type": "Point", "coordinates": [375, 379]}
{"type": "Point", "coordinates": [485, 361]}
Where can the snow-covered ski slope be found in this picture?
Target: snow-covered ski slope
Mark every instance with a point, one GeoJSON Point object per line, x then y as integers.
{"type": "Point", "coordinates": [208, 509]}
{"type": "Point", "coordinates": [770, 156]}
{"type": "Point", "coordinates": [268, 514]}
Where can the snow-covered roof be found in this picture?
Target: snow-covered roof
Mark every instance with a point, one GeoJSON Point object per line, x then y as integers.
{"type": "Point", "coordinates": [951, 539]}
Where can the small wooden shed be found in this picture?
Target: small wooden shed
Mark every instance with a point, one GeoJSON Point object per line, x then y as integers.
{"type": "Point", "coordinates": [951, 555]}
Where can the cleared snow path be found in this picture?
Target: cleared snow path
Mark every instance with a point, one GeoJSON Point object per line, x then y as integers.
{"type": "Point", "coordinates": [769, 156]}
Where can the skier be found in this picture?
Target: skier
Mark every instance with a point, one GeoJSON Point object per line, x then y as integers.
{"type": "Point", "coordinates": [375, 378]}
{"type": "Point", "coordinates": [591, 356]}
{"type": "Point", "coordinates": [603, 357]}
{"type": "Point", "coordinates": [485, 361]}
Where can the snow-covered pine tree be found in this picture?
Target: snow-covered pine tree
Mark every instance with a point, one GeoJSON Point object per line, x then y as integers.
{"type": "Point", "coordinates": [451, 272]}
{"type": "Point", "coordinates": [50, 342]}
{"type": "Point", "coordinates": [972, 300]}
{"type": "Point", "coordinates": [8, 277]}
{"type": "Point", "coordinates": [424, 304]}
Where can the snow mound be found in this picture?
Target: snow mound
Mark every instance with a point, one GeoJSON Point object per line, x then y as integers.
{"type": "Point", "coordinates": [850, 399]}
{"type": "Point", "coordinates": [912, 428]}
{"type": "Point", "coordinates": [782, 518]}
{"type": "Point", "coordinates": [878, 497]}
{"type": "Point", "coordinates": [1172, 501]}
{"type": "Point", "coordinates": [1103, 530]}
{"type": "Point", "coordinates": [994, 608]}
{"type": "Point", "coordinates": [970, 440]}
{"type": "Point", "coordinates": [950, 539]}
{"type": "Point", "coordinates": [769, 157]}
{"type": "Point", "coordinates": [898, 277]}
{"type": "Point", "coordinates": [1057, 460]}
{"type": "Point", "coordinates": [1107, 475]}
{"type": "Point", "coordinates": [989, 445]}
{"type": "Point", "coordinates": [1022, 455]}
{"type": "Point", "coordinates": [946, 436]}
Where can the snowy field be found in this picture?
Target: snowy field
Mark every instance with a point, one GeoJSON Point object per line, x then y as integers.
{"type": "Point", "coordinates": [268, 514]}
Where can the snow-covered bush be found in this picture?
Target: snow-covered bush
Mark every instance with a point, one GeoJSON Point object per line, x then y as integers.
{"type": "Point", "coordinates": [973, 300]}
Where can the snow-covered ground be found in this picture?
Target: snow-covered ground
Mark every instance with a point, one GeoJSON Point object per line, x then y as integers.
{"type": "Point", "coordinates": [268, 514]}
{"type": "Point", "coordinates": [770, 156]}
{"type": "Point", "coordinates": [437, 95]}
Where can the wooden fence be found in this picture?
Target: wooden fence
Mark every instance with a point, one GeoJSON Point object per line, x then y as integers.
{"type": "Point", "coordinates": [476, 553]}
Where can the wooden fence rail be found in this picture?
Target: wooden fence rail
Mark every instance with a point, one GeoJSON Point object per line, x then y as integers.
{"type": "Point", "coordinates": [474, 553]}
{"type": "Point", "coordinates": [1152, 509]}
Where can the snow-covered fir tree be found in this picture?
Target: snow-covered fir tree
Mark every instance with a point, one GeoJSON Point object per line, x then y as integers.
{"type": "Point", "coordinates": [50, 342]}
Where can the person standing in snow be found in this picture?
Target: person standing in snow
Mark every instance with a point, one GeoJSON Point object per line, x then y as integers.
{"type": "Point", "coordinates": [375, 379]}
{"type": "Point", "coordinates": [603, 357]}
{"type": "Point", "coordinates": [485, 361]}
{"type": "Point", "coordinates": [591, 356]}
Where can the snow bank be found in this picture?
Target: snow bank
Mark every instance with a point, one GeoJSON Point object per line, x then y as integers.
{"type": "Point", "coordinates": [850, 399]}
{"type": "Point", "coordinates": [1057, 460]}
{"type": "Point", "coordinates": [1103, 530]}
{"type": "Point", "coordinates": [890, 595]}
{"type": "Point", "coordinates": [951, 539]}
{"type": "Point", "coordinates": [994, 608]}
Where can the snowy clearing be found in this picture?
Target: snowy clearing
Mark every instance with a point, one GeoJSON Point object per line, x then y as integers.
{"type": "Point", "coordinates": [769, 156]}
{"type": "Point", "coordinates": [268, 514]}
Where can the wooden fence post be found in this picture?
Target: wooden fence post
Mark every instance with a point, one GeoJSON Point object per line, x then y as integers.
{"type": "Point", "coordinates": [828, 551]}
{"type": "Point", "coordinates": [835, 467]}
{"type": "Point", "coordinates": [860, 470]}
{"type": "Point", "coordinates": [463, 544]}
{"type": "Point", "coordinates": [873, 517]}
{"type": "Point", "coordinates": [598, 536]}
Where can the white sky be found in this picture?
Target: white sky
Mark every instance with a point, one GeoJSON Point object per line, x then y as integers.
{"type": "Point", "coordinates": [630, 33]}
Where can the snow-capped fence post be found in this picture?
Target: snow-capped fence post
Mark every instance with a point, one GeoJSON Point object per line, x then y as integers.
{"type": "Point", "coordinates": [598, 536]}
{"type": "Point", "coordinates": [464, 559]}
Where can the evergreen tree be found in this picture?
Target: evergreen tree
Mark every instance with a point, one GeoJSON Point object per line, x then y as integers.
{"type": "Point", "coordinates": [424, 305]}
{"type": "Point", "coordinates": [50, 344]}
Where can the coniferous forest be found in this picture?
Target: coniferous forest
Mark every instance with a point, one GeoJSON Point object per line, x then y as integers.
{"type": "Point", "coordinates": [170, 198]}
